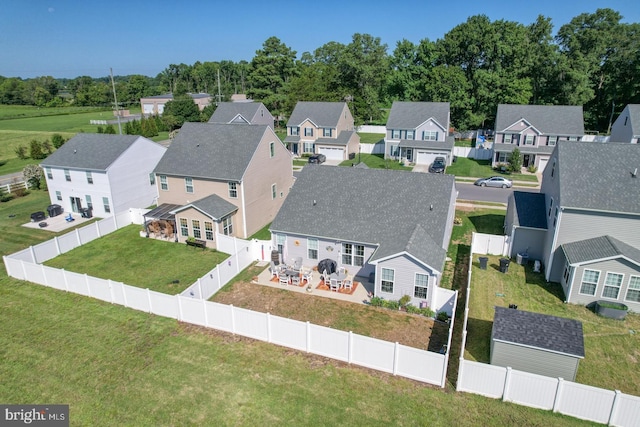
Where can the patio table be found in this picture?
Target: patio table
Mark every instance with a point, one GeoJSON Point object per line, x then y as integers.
{"type": "Point", "coordinates": [338, 276]}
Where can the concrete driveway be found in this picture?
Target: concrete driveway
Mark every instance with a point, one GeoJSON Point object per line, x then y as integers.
{"type": "Point", "coordinates": [421, 168]}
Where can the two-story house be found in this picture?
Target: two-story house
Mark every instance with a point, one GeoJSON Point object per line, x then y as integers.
{"type": "Point", "coordinates": [322, 128]}
{"type": "Point", "coordinates": [585, 224]}
{"type": "Point", "coordinates": [400, 237]}
{"type": "Point", "coordinates": [418, 132]}
{"type": "Point", "coordinates": [534, 130]}
{"type": "Point", "coordinates": [229, 178]}
{"type": "Point", "coordinates": [154, 105]}
{"type": "Point", "coordinates": [254, 113]}
{"type": "Point", "coordinates": [105, 173]}
{"type": "Point", "coordinates": [626, 128]}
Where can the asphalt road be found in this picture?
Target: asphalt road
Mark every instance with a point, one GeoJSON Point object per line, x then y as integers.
{"type": "Point", "coordinates": [485, 194]}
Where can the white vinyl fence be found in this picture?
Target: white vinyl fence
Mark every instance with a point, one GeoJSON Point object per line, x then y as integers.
{"type": "Point", "coordinates": [472, 153]}
{"type": "Point", "coordinates": [489, 244]}
{"type": "Point", "coordinates": [377, 148]}
{"type": "Point", "coordinates": [537, 391]}
{"type": "Point", "coordinates": [394, 358]}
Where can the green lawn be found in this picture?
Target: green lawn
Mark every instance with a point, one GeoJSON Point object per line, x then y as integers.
{"type": "Point", "coordinates": [612, 348]}
{"type": "Point", "coordinates": [22, 111]}
{"type": "Point", "coordinates": [376, 161]}
{"type": "Point", "coordinates": [371, 138]}
{"type": "Point", "coordinates": [126, 257]}
{"type": "Point", "coordinates": [482, 168]}
{"type": "Point", "coordinates": [464, 143]}
{"type": "Point", "coordinates": [262, 234]}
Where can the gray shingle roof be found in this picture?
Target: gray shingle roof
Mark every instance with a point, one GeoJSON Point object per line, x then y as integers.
{"type": "Point", "coordinates": [323, 114]}
{"type": "Point", "coordinates": [410, 115]}
{"type": "Point", "coordinates": [528, 209]}
{"type": "Point", "coordinates": [561, 120]}
{"type": "Point", "coordinates": [597, 248]}
{"type": "Point", "coordinates": [376, 206]}
{"type": "Point", "coordinates": [542, 331]}
{"type": "Point", "coordinates": [212, 205]}
{"type": "Point", "coordinates": [524, 149]}
{"type": "Point", "coordinates": [342, 139]}
{"type": "Point", "coordinates": [92, 151]}
{"type": "Point", "coordinates": [634, 114]}
{"type": "Point", "coordinates": [213, 151]}
{"type": "Point", "coordinates": [597, 176]}
{"type": "Point", "coordinates": [227, 111]}
{"type": "Point", "coordinates": [432, 145]}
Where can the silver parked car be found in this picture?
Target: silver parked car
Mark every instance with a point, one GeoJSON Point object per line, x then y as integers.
{"type": "Point", "coordinates": [494, 181]}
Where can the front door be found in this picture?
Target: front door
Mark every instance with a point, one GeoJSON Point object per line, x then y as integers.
{"type": "Point", "coordinates": [76, 204]}
{"type": "Point", "coordinates": [526, 159]}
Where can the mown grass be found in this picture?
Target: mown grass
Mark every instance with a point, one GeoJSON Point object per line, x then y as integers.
{"type": "Point", "coordinates": [612, 347]}
{"type": "Point", "coordinates": [262, 234]}
{"type": "Point", "coordinates": [126, 257]}
{"type": "Point", "coordinates": [371, 138]}
{"type": "Point", "coordinates": [117, 366]}
{"type": "Point", "coordinates": [376, 161]}
{"type": "Point", "coordinates": [22, 111]}
{"type": "Point", "coordinates": [481, 169]}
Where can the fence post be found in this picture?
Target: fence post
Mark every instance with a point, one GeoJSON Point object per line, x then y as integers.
{"type": "Point", "coordinates": [204, 311]}
{"type": "Point", "coordinates": [149, 299]}
{"type": "Point", "coordinates": [55, 239]}
{"type": "Point", "coordinates": [113, 298]}
{"type": "Point", "coordinates": [98, 230]}
{"type": "Point", "coordinates": [124, 294]}
{"type": "Point", "coordinates": [24, 270]}
{"type": "Point", "coordinates": [66, 282]}
{"type": "Point", "coordinates": [559, 390]}
{"type": "Point", "coordinates": [33, 254]}
{"type": "Point", "coordinates": [86, 281]}
{"type": "Point", "coordinates": [308, 336]}
{"type": "Point", "coordinates": [44, 275]}
{"type": "Point", "coordinates": [396, 352]}
{"type": "Point", "coordinates": [219, 279]}
{"type": "Point", "coordinates": [614, 407]}
{"type": "Point", "coordinates": [268, 327]}
{"type": "Point", "coordinates": [179, 307]}
{"type": "Point", "coordinates": [200, 289]}
{"type": "Point", "coordinates": [507, 384]}
{"type": "Point", "coordinates": [233, 320]}
{"type": "Point", "coordinates": [460, 369]}
{"type": "Point", "coordinates": [115, 220]}
{"type": "Point", "coordinates": [78, 237]}
{"type": "Point", "coordinates": [350, 347]}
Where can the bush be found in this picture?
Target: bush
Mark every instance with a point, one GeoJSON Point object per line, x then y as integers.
{"type": "Point", "coordinates": [404, 300]}
{"type": "Point", "coordinates": [442, 316]}
{"type": "Point", "coordinates": [21, 152]}
{"type": "Point", "coordinates": [532, 169]}
{"type": "Point", "coordinates": [377, 301]}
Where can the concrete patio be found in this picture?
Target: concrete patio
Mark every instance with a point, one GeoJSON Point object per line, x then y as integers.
{"type": "Point", "coordinates": [58, 223]}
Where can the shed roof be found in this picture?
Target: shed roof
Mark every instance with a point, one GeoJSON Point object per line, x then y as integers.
{"type": "Point", "coordinates": [549, 119]}
{"type": "Point", "coordinates": [536, 330]}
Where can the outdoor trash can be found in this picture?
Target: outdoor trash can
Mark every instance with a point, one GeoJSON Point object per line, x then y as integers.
{"type": "Point", "coordinates": [483, 262]}
{"type": "Point", "coordinates": [54, 210]}
{"type": "Point", "coordinates": [504, 265]}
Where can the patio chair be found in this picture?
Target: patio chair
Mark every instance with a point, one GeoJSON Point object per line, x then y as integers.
{"type": "Point", "coordinates": [348, 284]}
{"type": "Point", "coordinates": [333, 285]}
{"type": "Point", "coordinates": [342, 270]}
{"type": "Point", "coordinates": [283, 279]}
{"type": "Point", "coordinates": [295, 280]}
{"type": "Point", "coordinates": [273, 268]}
{"type": "Point", "coordinates": [308, 276]}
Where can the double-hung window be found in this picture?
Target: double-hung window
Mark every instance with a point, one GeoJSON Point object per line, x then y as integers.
{"type": "Point", "coordinates": [308, 131]}
{"type": "Point", "coordinates": [164, 185]}
{"type": "Point", "coordinates": [395, 134]}
{"type": "Point", "coordinates": [58, 195]}
{"type": "Point", "coordinates": [421, 286]}
{"type": "Point", "coordinates": [411, 134]}
{"type": "Point", "coordinates": [105, 202]}
{"type": "Point", "coordinates": [553, 140]}
{"type": "Point", "coordinates": [327, 132]}
{"type": "Point", "coordinates": [386, 280]}
{"type": "Point", "coordinates": [529, 139]}
{"type": "Point", "coordinates": [589, 282]}
{"type": "Point", "coordinates": [430, 135]}
{"type": "Point", "coordinates": [89, 201]}
{"type": "Point", "coordinates": [184, 228]}
{"type": "Point", "coordinates": [633, 291]}
{"type": "Point", "coordinates": [506, 138]}
{"type": "Point", "coordinates": [196, 228]}
{"type": "Point", "coordinates": [352, 254]}
{"type": "Point", "coordinates": [152, 178]}
{"type": "Point", "coordinates": [67, 175]}
{"type": "Point", "coordinates": [612, 284]}
{"type": "Point", "coordinates": [188, 184]}
{"type": "Point", "coordinates": [280, 239]}
{"type": "Point", "coordinates": [308, 147]}
{"type": "Point", "coordinates": [208, 230]}
{"type": "Point", "coordinates": [227, 226]}
{"type": "Point", "coordinates": [274, 191]}
{"type": "Point", "coordinates": [312, 248]}
{"type": "Point", "coordinates": [233, 190]}
{"type": "Point", "coordinates": [294, 131]}
{"type": "Point", "coordinates": [49, 173]}
{"type": "Point", "coordinates": [272, 149]}
{"type": "Point", "coordinates": [89, 178]}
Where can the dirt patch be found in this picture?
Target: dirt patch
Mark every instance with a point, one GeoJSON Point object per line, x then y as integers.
{"type": "Point", "coordinates": [407, 329]}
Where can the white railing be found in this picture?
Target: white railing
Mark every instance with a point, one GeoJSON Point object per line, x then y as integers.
{"type": "Point", "coordinates": [537, 391]}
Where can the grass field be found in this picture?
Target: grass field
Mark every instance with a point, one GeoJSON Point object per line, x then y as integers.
{"type": "Point", "coordinates": [371, 138]}
{"type": "Point", "coordinates": [376, 161]}
{"type": "Point", "coordinates": [482, 168]}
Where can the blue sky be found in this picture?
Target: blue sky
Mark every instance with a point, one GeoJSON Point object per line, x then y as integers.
{"type": "Point", "coordinates": [64, 38]}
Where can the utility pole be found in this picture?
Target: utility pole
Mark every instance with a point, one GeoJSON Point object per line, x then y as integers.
{"type": "Point", "coordinates": [113, 85]}
{"type": "Point", "coordinates": [219, 96]}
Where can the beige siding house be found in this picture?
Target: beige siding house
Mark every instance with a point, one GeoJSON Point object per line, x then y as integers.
{"type": "Point", "coordinates": [154, 105]}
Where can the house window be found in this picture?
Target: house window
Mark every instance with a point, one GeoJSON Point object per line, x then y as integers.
{"type": "Point", "coordinates": [280, 239]}
{"type": "Point", "coordinates": [233, 190]}
{"type": "Point", "coordinates": [67, 175]}
{"type": "Point", "coordinates": [358, 256]}
{"type": "Point", "coordinates": [196, 228]}
{"type": "Point", "coordinates": [567, 272]}
{"type": "Point", "coordinates": [327, 132]}
{"type": "Point", "coordinates": [308, 131]}
{"type": "Point", "coordinates": [188, 184]}
{"type": "Point", "coordinates": [49, 173]}
{"type": "Point", "coordinates": [395, 134]}
{"type": "Point", "coordinates": [553, 168]}
{"type": "Point", "coordinates": [555, 217]}
{"type": "Point", "coordinates": [152, 178]}
{"type": "Point", "coordinates": [312, 248]}
{"type": "Point", "coordinates": [89, 201]}
{"type": "Point", "coordinates": [386, 281]}
{"type": "Point", "coordinates": [58, 195]}
{"type": "Point", "coordinates": [227, 226]}
{"type": "Point", "coordinates": [105, 202]}
{"type": "Point", "coordinates": [421, 286]}
{"type": "Point", "coordinates": [411, 134]}
{"type": "Point", "coordinates": [352, 254]}
{"type": "Point", "coordinates": [503, 157]}
{"type": "Point", "coordinates": [208, 230]}
{"type": "Point", "coordinates": [573, 138]}
{"type": "Point", "coordinates": [612, 283]}
{"type": "Point", "coordinates": [272, 149]}
{"type": "Point", "coordinates": [589, 282]}
{"type": "Point", "coordinates": [184, 228]}
{"type": "Point", "coordinates": [163, 182]}
{"type": "Point", "coordinates": [308, 147]}
{"type": "Point", "coordinates": [294, 131]}
{"type": "Point", "coordinates": [633, 292]}
{"type": "Point", "coordinates": [89, 178]}
{"type": "Point", "coordinates": [274, 191]}
{"type": "Point", "coordinates": [506, 138]}
{"type": "Point", "coordinates": [550, 207]}
{"type": "Point", "coordinates": [430, 135]}
{"type": "Point", "coordinates": [553, 140]}
{"type": "Point", "coordinates": [529, 139]}
{"type": "Point", "coordinates": [394, 150]}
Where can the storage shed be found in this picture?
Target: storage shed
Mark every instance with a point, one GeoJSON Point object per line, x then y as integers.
{"type": "Point", "coordinates": [537, 343]}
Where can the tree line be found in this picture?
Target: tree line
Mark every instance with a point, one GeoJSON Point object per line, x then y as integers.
{"type": "Point", "coordinates": [593, 61]}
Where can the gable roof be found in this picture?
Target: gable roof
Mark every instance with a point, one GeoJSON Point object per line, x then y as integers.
{"type": "Point", "coordinates": [528, 209]}
{"type": "Point", "coordinates": [447, 144]}
{"type": "Point", "coordinates": [410, 115]}
{"type": "Point", "coordinates": [597, 176]}
{"type": "Point", "coordinates": [92, 151]}
{"type": "Point", "coordinates": [212, 151]}
{"type": "Point", "coordinates": [212, 205]}
{"type": "Point", "coordinates": [322, 114]}
{"type": "Point", "coordinates": [376, 206]}
{"type": "Point", "coordinates": [548, 119]}
{"type": "Point", "coordinates": [551, 333]}
{"type": "Point", "coordinates": [226, 112]}
{"type": "Point", "coordinates": [634, 116]}
{"type": "Point", "coordinates": [599, 248]}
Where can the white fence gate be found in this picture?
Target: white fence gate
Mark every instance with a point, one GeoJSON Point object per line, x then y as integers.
{"type": "Point", "coordinates": [489, 244]}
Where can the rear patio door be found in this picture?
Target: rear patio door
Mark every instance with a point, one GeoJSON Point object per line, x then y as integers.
{"type": "Point", "coordinates": [76, 204]}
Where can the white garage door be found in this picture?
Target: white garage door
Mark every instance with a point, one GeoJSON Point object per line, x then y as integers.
{"type": "Point", "coordinates": [332, 153]}
{"type": "Point", "coordinates": [426, 157]}
{"type": "Point", "coordinates": [542, 164]}
{"type": "Point", "coordinates": [147, 108]}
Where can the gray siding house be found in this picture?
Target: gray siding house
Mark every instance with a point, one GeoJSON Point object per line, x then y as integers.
{"type": "Point", "coordinates": [534, 130]}
{"type": "Point", "coordinates": [418, 132]}
{"type": "Point", "coordinates": [401, 235]}
{"type": "Point", "coordinates": [254, 113]}
{"type": "Point", "coordinates": [537, 343]}
{"type": "Point", "coordinates": [592, 212]}
{"type": "Point", "coordinates": [626, 128]}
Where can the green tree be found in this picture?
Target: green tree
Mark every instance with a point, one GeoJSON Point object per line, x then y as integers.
{"type": "Point", "coordinates": [515, 161]}
{"type": "Point", "coordinates": [33, 175]}
{"type": "Point", "coordinates": [181, 109]}
{"type": "Point", "coordinates": [35, 150]}
{"type": "Point", "coordinates": [21, 152]}
{"type": "Point", "coordinates": [109, 129]}
{"type": "Point", "coordinates": [57, 140]}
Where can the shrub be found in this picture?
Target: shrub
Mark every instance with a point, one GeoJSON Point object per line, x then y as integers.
{"type": "Point", "coordinates": [392, 305]}
{"type": "Point", "coordinates": [532, 169]}
{"type": "Point", "coordinates": [377, 301]}
{"type": "Point", "coordinates": [57, 140]}
{"type": "Point", "coordinates": [21, 152]}
{"type": "Point", "coordinates": [442, 316]}
{"type": "Point", "coordinates": [404, 300]}
{"type": "Point", "coordinates": [35, 150]}
{"type": "Point", "coordinates": [426, 312]}
{"type": "Point", "coordinates": [412, 309]}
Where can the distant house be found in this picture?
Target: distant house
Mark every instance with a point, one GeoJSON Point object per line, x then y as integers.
{"type": "Point", "coordinates": [103, 172]}
{"type": "Point", "coordinates": [537, 343]}
{"type": "Point", "coordinates": [322, 128]}
{"type": "Point", "coordinates": [534, 130]}
{"type": "Point", "coordinates": [626, 128]}
{"type": "Point", "coordinates": [418, 132]}
{"type": "Point", "coordinates": [585, 224]}
{"type": "Point", "coordinates": [154, 105]}
{"type": "Point", "coordinates": [399, 238]}
{"type": "Point", "coordinates": [254, 113]}
{"type": "Point", "coordinates": [229, 178]}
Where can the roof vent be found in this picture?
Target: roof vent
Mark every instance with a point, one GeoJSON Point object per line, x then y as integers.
{"type": "Point", "coordinates": [314, 202]}
{"type": "Point", "coordinates": [431, 207]}
{"type": "Point", "coordinates": [634, 174]}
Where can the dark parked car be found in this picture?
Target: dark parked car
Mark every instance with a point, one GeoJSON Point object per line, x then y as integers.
{"type": "Point", "coordinates": [317, 159]}
{"type": "Point", "coordinates": [438, 165]}
{"type": "Point", "coordinates": [494, 181]}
